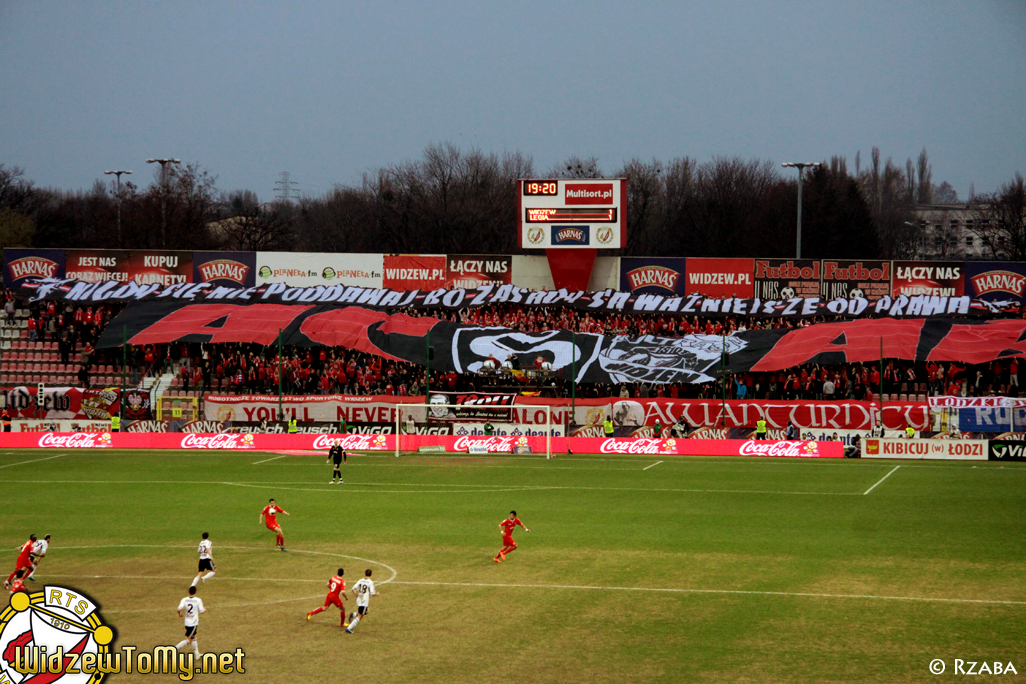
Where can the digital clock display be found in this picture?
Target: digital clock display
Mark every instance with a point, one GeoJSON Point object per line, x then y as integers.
{"type": "Point", "coordinates": [541, 187]}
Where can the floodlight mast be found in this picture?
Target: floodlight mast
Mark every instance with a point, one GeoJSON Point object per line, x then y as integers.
{"type": "Point", "coordinates": [801, 167]}
{"type": "Point", "coordinates": [118, 174]}
{"type": "Point", "coordinates": [163, 192]}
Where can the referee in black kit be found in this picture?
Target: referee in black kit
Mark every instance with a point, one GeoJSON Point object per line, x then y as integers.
{"type": "Point", "coordinates": [338, 458]}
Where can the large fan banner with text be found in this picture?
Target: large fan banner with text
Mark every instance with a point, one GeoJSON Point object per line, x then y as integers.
{"type": "Point", "coordinates": [587, 357]}
{"type": "Point", "coordinates": [490, 292]}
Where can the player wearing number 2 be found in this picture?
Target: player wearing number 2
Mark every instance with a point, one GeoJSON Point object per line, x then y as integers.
{"type": "Point", "coordinates": [507, 526]}
{"type": "Point", "coordinates": [267, 516]}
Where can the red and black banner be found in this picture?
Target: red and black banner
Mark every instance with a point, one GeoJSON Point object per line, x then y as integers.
{"type": "Point", "coordinates": [587, 357]}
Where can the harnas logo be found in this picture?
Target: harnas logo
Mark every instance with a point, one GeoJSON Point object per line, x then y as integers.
{"type": "Point", "coordinates": [224, 269]}
{"type": "Point", "coordinates": [30, 266]}
{"type": "Point", "coordinates": [571, 235]}
{"type": "Point", "coordinates": [999, 281]}
{"type": "Point", "coordinates": [54, 635]}
{"type": "Point", "coordinates": [653, 276]}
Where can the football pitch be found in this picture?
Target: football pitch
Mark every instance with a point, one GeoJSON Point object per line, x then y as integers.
{"type": "Point", "coordinates": [636, 569]}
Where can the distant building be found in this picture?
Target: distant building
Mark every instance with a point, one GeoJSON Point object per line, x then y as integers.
{"type": "Point", "coordinates": [947, 231]}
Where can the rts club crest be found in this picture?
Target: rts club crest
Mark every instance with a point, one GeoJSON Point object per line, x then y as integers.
{"type": "Point", "coordinates": [54, 635]}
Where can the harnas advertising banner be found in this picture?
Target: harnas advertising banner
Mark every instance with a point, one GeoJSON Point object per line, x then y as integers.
{"type": "Point", "coordinates": [227, 269]}
{"type": "Point", "coordinates": [653, 275]}
{"type": "Point", "coordinates": [20, 264]}
{"type": "Point", "coordinates": [995, 281]}
{"type": "Point", "coordinates": [786, 278]}
{"type": "Point", "coordinates": [717, 278]}
{"type": "Point", "coordinates": [934, 278]}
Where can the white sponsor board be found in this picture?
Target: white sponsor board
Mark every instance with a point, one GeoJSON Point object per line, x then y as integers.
{"type": "Point", "coordinates": [928, 449]}
{"type": "Point", "coordinates": [506, 430]}
{"type": "Point", "coordinates": [306, 269]}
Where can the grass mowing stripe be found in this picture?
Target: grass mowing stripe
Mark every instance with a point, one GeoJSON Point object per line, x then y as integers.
{"type": "Point", "coordinates": [37, 460]}
{"type": "Point", "coordinates": [718, 591]}
{"type": "Point", "coordinates": [269, 459]}
{"type": "Point", "coordinates": [880, 480]}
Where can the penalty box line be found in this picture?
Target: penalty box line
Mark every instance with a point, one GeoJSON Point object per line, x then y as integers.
{"type": "Point", "coordinates": [741, 592]}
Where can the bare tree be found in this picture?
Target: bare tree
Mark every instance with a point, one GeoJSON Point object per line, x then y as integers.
{"type": "Point", "coordinates": [248, 226]}
{"type": "Point", "coordinates": [577, 167]}
{"type": "Point", "coordinates": [925, 173]}
{"type": "Point", "coordinates": [999, 220]}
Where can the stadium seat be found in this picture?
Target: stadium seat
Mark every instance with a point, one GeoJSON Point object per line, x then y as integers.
{"type": "Point", "coordinates": [921, 397]}
{"type": "Point", "coordinates": [902, 397]}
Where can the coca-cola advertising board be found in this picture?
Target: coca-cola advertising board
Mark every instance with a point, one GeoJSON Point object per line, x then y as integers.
{"type": "Point", "coordinates": [20, 264]}
{"type": "Point", "coordinates": [720, 278]}
{"type": "Point", "coordinates": [787, 278]}
{"type": "Point", "coordinates": [653, 275]}
{"type": "Point", "coordinates": [847, 279]}
{"type": "Point", "coordinates": [145, 267]}
{"type": "Point", "coordinates": [471, 271]}
{"type": "Point", "coordinates": [415, 271]}
{"type": "Point", "coordinates": [995, 281]}
{"type": "Point", "coordinates": [308, 269]}
{"type": "Point", "coordinates": [933, 278]}
{"type": "Point", "coordinates": [501, 444]}
{"type": "Point", "coordinates": [225, 269]}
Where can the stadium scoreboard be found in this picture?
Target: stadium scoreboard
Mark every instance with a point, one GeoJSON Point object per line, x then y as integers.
{"type": "Point", "coordinates": [572, 212]}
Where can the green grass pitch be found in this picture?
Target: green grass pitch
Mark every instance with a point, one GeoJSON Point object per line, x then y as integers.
{"type": "Point", "coordinates": [693, 570]}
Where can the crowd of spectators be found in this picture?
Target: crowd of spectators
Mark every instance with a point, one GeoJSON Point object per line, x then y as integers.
{"type": "Point", "coordinates": [254, 369]}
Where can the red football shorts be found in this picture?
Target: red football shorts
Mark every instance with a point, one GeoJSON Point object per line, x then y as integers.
{"type": "Point", "coordinates": [273, 526]}
{"type": "Point", "coordinates": [332, 598]}
{"type": "Point", "coordinates": [508, 541]}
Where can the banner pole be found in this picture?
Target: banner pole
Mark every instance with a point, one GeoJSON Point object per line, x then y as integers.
{"type": "Point", "coordinates": [124, 365]}
{"type": "Point", "coordinates": [281, 413]}
{"type": "Point", "coordinates": [427, 364]}
{"type": "Point", "coordinates": [723, 380]}
{"type": "Point", "coordinates": [573, 374]}
{"type": "Point", "coordinates": [881, 388]}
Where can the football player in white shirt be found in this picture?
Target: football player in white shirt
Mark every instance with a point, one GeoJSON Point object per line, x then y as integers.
{"type": "Point", "coordinates": [38, 553]}
{"type": "Point", "coordinates": [190, 608]}
{"type": "Point", "coordinates": [206, 560]}
{"type": "Point", "coordinates": [363, 589]}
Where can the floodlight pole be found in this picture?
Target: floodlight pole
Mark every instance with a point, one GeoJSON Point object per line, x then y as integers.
{"type": "Point", "coordinates": [118, 174]}
{"type": "Point", "coordinates": [124, 365]}
{"type": "Point", "coordinates": [281, 413]}
{"type": "Point", "coordinates": [163, 195]}
{"type": "Point", "coordinates": [801, 167]}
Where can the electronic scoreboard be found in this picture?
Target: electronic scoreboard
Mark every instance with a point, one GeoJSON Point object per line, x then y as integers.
{"type": "Point", "coordinates": [572, 212]}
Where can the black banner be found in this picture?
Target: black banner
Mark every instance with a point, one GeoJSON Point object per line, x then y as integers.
{"type": "Point", "coordinates": [603, 301]}
{"type": "Point", "coordinates": [588, 357]}
{"type": "Point", "coordinates": [1007, 450]}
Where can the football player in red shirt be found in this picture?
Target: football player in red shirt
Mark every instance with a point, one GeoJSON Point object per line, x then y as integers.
{"type": "Point", "coordinates": [267, 516]}
{"type": "Point", "coordinates": [508, 545]}
{"type": "Point", "coordinates": [24, 560]}
{"type": "Point", "coordinates": [336, 586]}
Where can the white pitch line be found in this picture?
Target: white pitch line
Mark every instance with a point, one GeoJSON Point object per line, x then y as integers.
{"type": "Point", "coordinates": [880, 480]}
{"type": "Point", "coordinates": [48, 458]}
{"type": "Point", "coordinates": [269, 459]}
{"type": "Point", "coordinates": [717, 591]}
{"type": "Point", "coordinates": [653, 465]}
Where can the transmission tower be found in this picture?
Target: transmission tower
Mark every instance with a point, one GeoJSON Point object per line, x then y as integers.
{"type": "Point", "coordinates": [286, 188]}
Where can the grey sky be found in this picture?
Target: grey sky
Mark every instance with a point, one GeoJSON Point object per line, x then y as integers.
{"type": "Point", "coordinates": [327, 90]}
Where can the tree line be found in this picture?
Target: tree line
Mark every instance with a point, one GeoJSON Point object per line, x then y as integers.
{"type": "Point", "coordinates": [452, 200]}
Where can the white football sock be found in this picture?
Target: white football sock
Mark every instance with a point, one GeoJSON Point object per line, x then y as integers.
{"type": "Point", "coordinates": [181, 643]}
{"type": "Point", "coordinates": [195, 647]}
{"type": "Point", "coordinates": [195, 580]}
{"type": "Point", "coordinates": [207, 576]}
{"type": "Point", "coordinates": [354, 622]}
